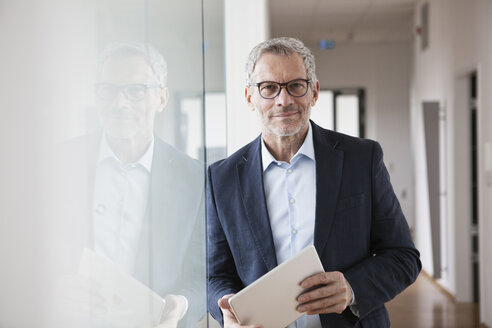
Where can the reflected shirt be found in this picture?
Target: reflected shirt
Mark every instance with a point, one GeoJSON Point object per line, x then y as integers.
{"type": "Point", "coordinates": [120, 205]}
{"type": "Point", "coordinates": [290, 191]}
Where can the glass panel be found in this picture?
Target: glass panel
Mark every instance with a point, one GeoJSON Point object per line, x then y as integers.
{"type": "Point", "coordinates": [214, 89]}
{"type": "Point", "coordinates": [102, 197]}
{"type": "Point", "coordinates": [215, 99]}
{"type": "Point", "coordinates": [216, 126]}
{"type": "Point", "coordinates": [192, 126]}
{"type": "Point", "coordinates": [347, 115]}
{"type": "Point", "coordinates": [322, 112]}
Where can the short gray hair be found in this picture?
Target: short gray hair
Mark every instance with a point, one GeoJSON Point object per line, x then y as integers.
{"type": "Point", "coordinates": [129, 48]}
{"type": "Point", "coordinates": [283, 47]}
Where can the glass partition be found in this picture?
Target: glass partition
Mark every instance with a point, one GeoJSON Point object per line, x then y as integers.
{"type": "Point", "coordinates": [104, 151]}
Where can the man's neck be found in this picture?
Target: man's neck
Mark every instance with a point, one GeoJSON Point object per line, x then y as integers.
{"type": "Point", "coordinates": [129, 150]}
{"type": "Point", "coordinates": [283, 148]}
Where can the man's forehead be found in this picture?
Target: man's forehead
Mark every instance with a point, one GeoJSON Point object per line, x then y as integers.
{"type": "Point", "coordinates": [273, 67]}
{"type": "Point", "coordinates": [128, 62]}
{"type": "Point", "coordinates": [126, 67]}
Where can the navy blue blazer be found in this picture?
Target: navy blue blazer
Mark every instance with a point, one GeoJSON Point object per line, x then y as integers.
{"type": "Point", "coordinates": [360, 229]}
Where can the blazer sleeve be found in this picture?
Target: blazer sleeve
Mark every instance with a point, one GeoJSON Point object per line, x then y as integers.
{"type": "Point", "coordinates": [222, 275]}
{"type": "Point", "coordinates": [395, 262]}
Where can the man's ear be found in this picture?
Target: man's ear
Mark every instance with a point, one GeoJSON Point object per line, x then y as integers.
{"type": "Point", "coordinates": [248, 95]}
{"type": "Point", "coordinates": [163, 97]}
{"type": "Point", "coordinates": [315, 93]}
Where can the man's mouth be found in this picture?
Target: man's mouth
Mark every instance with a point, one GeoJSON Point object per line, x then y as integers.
{"type": "Point", "coordinates": [285, 114]}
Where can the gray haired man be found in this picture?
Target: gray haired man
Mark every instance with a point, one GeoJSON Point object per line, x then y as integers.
{"type": "Point", "coordinates": [298, 184]}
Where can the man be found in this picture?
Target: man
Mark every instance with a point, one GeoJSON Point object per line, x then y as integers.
{"type": "Point", "coordinates": [298, 184]}
{"type": "Point", "coordinates": [145, 197]}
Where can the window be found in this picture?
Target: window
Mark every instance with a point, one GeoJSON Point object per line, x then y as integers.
{"type": "Point", "coordinates": [341, 110]}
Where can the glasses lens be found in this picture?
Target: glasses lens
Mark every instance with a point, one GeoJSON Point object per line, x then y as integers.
{"type": "Point", "coordinates": [135, 92]}
{"type": "Point", "coordinates": [297, 88]}
{"type": "Point", "coordinates": [269, 89]}
{"type": "Point", "coordinates": [106, 91]}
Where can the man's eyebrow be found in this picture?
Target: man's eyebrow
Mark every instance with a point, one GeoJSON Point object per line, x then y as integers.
{"type": "Point", "coordinates": [297, 78]}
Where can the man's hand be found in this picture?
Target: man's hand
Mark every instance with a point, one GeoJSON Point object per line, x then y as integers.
{"type": "Point", "coordinates": [229, 318]}
{"type": "Point", "coordinates": [332, 294]}
{"type": "Point", "coordinates": [175, 309]}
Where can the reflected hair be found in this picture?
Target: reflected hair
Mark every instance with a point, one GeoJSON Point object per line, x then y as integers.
{"type": "Point", "coordinates": [130, 48]}
{"type": "Point", "coordinates": [283, 46]}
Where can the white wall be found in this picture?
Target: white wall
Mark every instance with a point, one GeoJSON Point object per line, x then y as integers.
{"type": "Point", "coordinates": [484, 9]}
{"type": "Point", "coordinates": [459, 44]}
{"type": "Point", "coordinates": [383, 70]}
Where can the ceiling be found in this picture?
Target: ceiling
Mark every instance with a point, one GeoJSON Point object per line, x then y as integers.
{"type": "Point", "coordinates": [344, 21]}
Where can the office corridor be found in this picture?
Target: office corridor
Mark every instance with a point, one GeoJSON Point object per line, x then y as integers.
{"type": "Point", "coordinates": [425, 305]}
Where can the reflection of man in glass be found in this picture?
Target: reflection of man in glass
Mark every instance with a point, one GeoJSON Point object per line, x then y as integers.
{"type": "Point", "coordinates": [131, 90]}
{"type": "Point", "coordinates": [147, 197]}
{"type": "Point", "coordinates": [129, 93]}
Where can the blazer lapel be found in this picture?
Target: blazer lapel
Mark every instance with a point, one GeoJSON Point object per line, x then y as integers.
{"type": "Point", "coordinates": [250, 176]}
{"type": "Point", "coordinates": [329, 164]}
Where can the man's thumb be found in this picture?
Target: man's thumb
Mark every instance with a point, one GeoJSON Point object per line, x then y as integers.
{"type": "Point", "coordinates": [224, 302]}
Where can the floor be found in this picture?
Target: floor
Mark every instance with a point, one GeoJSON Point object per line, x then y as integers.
{"type": "Point", "coordinates": [425, 305]}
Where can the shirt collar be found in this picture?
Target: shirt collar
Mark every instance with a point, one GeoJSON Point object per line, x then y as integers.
{"type": "Point", "coordinates": [106, 152]}
{"type": "Point", "coordinates": [307, 149]}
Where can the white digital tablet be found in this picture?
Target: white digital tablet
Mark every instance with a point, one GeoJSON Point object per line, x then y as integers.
{"type": "Point", "coordinates": [129, 302]}
{"type": "Point", "coordinates": [271, 299]}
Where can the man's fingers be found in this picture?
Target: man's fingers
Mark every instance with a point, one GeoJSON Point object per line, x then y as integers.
{"type": "Point", "coordinates": [228, 316]}
{"type": "Point", "coordinates": [336, 303]}
{"type": "Point", "coordinates": [230, 320]}
{"type": "Point", "coordinates": [318, 293]}
{"type": "Point", "coordinates": [323, 278]}
{"type": "Point", "coordinates": [337, 308]}
{"type": "Point", "coordinates": [332, 294]}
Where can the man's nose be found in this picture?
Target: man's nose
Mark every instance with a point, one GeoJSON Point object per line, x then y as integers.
{"type": "Point", "coordinates": [284, 98]}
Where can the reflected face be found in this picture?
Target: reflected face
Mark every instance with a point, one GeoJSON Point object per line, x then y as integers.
{"type": "Point", "coordinates": [284, 115]}
{"type": "Point", "coordinates": [128, 97]}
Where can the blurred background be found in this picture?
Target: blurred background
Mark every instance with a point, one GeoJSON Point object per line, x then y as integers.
{"type": "Point", "coordinates": [414, 75]}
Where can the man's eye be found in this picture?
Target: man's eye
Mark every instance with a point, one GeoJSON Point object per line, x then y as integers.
{"type": "Point", "coordinates": [268, 87]}
{"type": "Point", "coordinates": [135, 90]}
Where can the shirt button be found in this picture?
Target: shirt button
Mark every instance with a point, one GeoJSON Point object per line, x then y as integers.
{"type": "Point", "coordinates": [292, 200]}
{"type": "Point", "coordinates": [279, 163]}
{"type": "Point", "coordinates": [294, 231]}
{"type": "Point", "coordinates": [100, 209]}
{"type": "Point", "coordinates": [289, 170]}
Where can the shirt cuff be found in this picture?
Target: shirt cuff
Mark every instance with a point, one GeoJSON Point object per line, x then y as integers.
{"type": "Point", "coordinates": [353, 306]}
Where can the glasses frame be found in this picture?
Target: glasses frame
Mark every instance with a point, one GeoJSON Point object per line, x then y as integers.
{"type": "Point", "coordinates": [122, 88]}
{"type": "Point", "coordinates": [281, 85]}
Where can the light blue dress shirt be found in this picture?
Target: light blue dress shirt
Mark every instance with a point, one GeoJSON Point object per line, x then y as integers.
{"type": "Point", "coordinates": [121, 193]}
{"type": "Point", "coordinates": [290, 191]}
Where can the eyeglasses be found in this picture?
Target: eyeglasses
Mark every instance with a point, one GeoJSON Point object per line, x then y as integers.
{"type": "Point", "coordinates": [132, 92]}
{"type": "Point", "coordinates": [295, 88]}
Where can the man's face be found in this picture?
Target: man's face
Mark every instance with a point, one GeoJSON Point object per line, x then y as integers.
{"type": "Point", "coordinates": [284, 115]}
{"type": "Point", "coordinates": [123, 114]}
